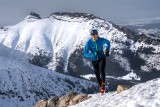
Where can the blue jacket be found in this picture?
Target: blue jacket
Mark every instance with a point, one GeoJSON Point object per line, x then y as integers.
{"type": "Point", "coordinates": [95, 49]}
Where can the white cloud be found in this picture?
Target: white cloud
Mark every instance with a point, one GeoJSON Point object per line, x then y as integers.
{"type": "Point", "coordinates": [144, 21]}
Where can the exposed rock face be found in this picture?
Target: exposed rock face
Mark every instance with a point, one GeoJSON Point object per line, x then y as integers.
{"type": "Point", "coordinates": [53, 101]}
{"type": "Point", "coordinates": [41, 59]}
{"type": "Point", "coordinates": [41, 103]}
{"type": "Point", "coordinates": [79, 98]}
{"type": "Point", "coordinates": [70, 99]}
{"type": "Point", "coordinates": [35, 15]}
{"type": "Point", "coordinates": [75, 15]}
{"type": "Point", "coordinates": [32, 17]}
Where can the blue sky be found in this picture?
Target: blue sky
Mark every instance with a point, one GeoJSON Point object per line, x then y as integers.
{"type": "Point", "coordinates": [118, 11]}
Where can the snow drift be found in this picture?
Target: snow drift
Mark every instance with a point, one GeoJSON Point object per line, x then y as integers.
{"type": "Point", "coordinates": [142, 95]}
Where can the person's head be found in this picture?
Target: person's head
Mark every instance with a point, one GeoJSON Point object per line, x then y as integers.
{"type": "Point", "coordinates": [94, 34]}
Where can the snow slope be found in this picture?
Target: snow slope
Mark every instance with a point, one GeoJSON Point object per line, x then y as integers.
{"type": "Point", "coordinates": [142, 95]}
{"type": "Point", "coordinates": [23, 84]}
{"type": "Point", "coordinates": [57, 37]}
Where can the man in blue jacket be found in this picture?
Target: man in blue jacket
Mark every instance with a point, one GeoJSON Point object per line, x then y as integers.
{"type": "Point", "coordinates": [97, 49]}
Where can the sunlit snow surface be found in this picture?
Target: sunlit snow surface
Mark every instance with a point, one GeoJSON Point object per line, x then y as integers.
{"type": "Point", "coordinates": [130, 76]}
{"type": "Point", "coordinates": [142, 95]}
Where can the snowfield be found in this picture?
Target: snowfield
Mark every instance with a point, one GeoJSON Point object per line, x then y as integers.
{"type": "Point", "coordinates": [142, 95]}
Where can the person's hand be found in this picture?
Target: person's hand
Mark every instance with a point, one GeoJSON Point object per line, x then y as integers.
{"type": "Point", "coordinates": [107, 53]}
{"type": "Point", "coordinates": [95, 53]}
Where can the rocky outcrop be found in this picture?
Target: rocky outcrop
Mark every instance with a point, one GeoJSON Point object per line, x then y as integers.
{"type": "Point", "coordinates": [34, 15]}
{"type": "Point", "coordinates": [76, 15]}
{"type": "Point", "coordinates": [70, 99]}
{"type": "Point", "coordinates": [42, 103]}
{"type": "Point", "coordinates": [121, 88]}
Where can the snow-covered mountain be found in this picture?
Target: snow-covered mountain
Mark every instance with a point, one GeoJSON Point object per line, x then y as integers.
{"type": "Point", "coordinates": [57, 43]}
{"type": "Point", "coordinates": [142, 95]}
{"type": "Point", "coordinates": [23, 84]}
{"type": "Point", "coordinates": [150, 30]}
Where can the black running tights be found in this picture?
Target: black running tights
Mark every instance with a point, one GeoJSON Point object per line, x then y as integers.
{"type": "Point", "coordinates": [99, 69]}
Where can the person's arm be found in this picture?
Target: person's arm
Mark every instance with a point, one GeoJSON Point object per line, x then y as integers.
{"type": "Point", "coordinates": [107, 47]}
{"type": "Point", "coordinates": [86, 51]}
